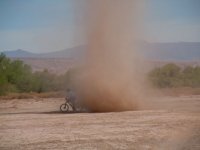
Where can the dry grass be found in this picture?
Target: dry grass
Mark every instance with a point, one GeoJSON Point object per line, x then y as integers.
{"type": "Point", "coordinates": [32, 95]}
{"type": "Point", "coordinates": [166, 91]}
{"type": "Point", "coordinates": [187, 91]}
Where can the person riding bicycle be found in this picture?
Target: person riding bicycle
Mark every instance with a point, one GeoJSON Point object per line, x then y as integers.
{"type": "Point", "coordinates": [71, 98]}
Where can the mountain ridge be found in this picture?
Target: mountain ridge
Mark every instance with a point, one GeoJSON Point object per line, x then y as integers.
{"type": "Point", "coordinates": [151, 51]}
{"type": "Point", "coordinates": [65, 53]}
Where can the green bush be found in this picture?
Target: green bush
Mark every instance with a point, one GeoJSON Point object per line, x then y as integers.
{"type": "Point", "coordinates": [15, 76]}
{"type": "Point", "coordinates": [172, 75]}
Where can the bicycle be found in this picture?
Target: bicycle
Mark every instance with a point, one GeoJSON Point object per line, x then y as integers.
{"type": "Point", "coordinates": [67, 106]}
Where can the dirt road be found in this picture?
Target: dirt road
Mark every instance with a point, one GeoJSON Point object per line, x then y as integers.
{"type": "Point", "coordinates": [32, 124]}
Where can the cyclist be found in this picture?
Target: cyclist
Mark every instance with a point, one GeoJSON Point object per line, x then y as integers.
{"type": "Point", "coordinates": [71, 97]}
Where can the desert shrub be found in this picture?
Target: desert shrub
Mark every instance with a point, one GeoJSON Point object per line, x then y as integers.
{"type": "Point", "coordinates": [15, 76]}
{"type": "Point", "coordinates": [44, 81]}
{"type": "Point", "coordinates": [67, 78]}
{"type": "Point", "coordinates": [5, 75]}
{"type": "Point", "coordinates": [172, 75]}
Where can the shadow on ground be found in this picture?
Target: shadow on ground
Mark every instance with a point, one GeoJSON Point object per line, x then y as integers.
{"type": "Point", "coordinates": [48, 112]}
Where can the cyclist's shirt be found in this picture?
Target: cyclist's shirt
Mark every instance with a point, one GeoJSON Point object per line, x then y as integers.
{"type": "Point", "coordinates": [71, 96]}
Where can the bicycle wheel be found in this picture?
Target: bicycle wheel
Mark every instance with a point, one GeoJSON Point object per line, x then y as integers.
{"type": "Point", "coordinates": [64, 107]}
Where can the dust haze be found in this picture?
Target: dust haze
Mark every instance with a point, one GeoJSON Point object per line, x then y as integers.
{"type": "Point", "coordinates": [112, 76]}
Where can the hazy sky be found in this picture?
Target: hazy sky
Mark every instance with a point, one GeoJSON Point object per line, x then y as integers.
{"type": "Point", "coordinates": [51, 25]}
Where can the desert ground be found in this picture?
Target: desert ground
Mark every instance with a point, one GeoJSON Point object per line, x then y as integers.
{"type": "Point", "coordinates": [170, 123]}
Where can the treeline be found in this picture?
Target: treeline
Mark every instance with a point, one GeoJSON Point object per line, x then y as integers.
{"type": "Point", "coordinates": [172, 75]}
{"type": "Point", "coordinates": [15, 76]}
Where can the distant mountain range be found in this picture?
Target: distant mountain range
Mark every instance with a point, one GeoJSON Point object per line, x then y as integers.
{"type": "Point", "coordinates": [74, 52]}
{"type": "Point", "coordinates": [183, 51]}
{"type": "Point", "coordinates": [19, 54]}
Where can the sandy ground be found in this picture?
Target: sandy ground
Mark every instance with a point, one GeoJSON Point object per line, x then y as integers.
{"type": "Point", "coordinates": [171, 123]}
